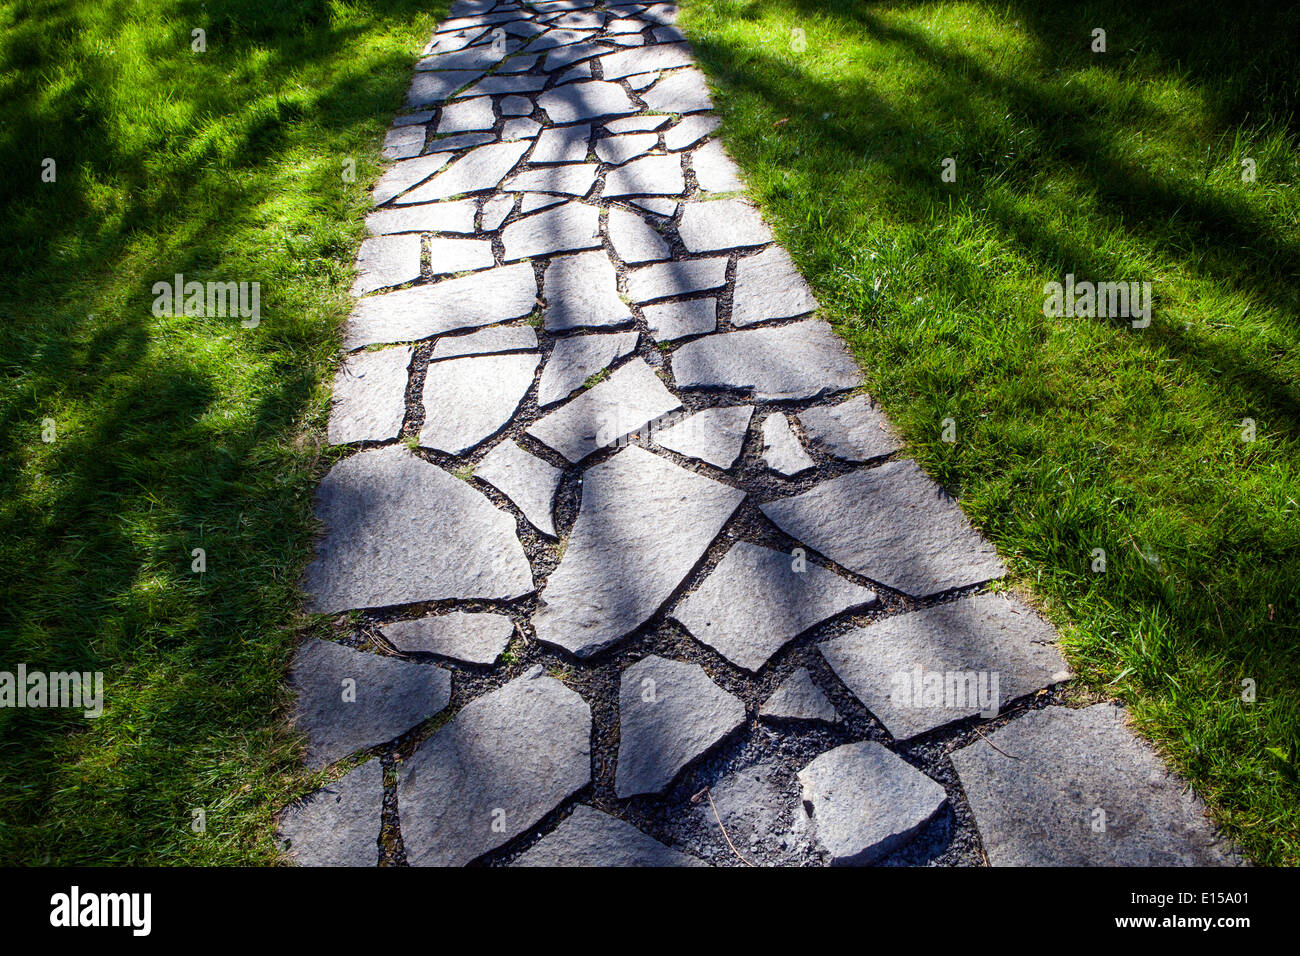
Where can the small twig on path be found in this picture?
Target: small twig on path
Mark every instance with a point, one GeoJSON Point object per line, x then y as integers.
{"type": "Point", "coordinates": [696, 799]}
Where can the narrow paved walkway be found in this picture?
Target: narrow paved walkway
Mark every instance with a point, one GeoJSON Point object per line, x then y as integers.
{"type": "Point", "coordinates": [642, 576]}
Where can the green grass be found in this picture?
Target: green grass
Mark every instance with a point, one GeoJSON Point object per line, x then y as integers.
{"type": "Point", "coordinates": [171, 434]}
{"type": "Point", "coordinates": [1072, 434]}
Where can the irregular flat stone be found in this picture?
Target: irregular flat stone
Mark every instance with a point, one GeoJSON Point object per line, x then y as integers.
{"type": "Point", "coordinates": [661, 13]}
{"type": "Point", "coordinates": [502, 338]}
{"type": "Point", "coordinates": [589, 837]}
{"type": "Point", "coordinates": [586, 100]}
{"type": "Point", "coordinates": [500, 83]}
{"type": "Point", "coordinates": [580, 72]}
{"type": "Point", "coordinates": [495, 211]}
{"type": "Point", "coordinates": [349, 700]}
{"type": "Point", "coordinates": [631, 397]}
{"type": "Point", "coordinates": [780, 603]}
{"type": "Point", "coordinates": [683, 91]}
{"type": "Point", "coordinates": [401, 176]}
{"type": "Point", "coordinates": [474, 59]}
{"type": "Point", "coordinates": [644, 523]}
{"type": "Point", "coordinates": [484, 298]}
{"type": "Point", "coordinates": [338, 825]}
{"type": "Point", "coordinates": [447, 144]}
{"type": "Point", "coordinates": [676, 278]}
{"type": "Point", "coordinates": [619, 149]}
{"type": "Point", "coordinates": [769, 286]}
{"type": "Point", "coordinates": [576, 358]}
{"type": "Point", "coordinates": [369, 400]}
{"type": "Point", "coordinates": [562, 144]}
{"type": "Point", "coordinates": [660, 56]}
{"type": "Point", "coordinates": [448, 256]}
{"type": "Point", "coordinates": [802, 360]}
{"type": "Point", "coordinates": [430, 89]}
{"type": "Point", "coordinates": [781, 448]}
{"type": "Point", "coordinates": [867, 802]}
{"type": "Point", "coordinates": [714, 170]}
{"type": "Point", "coordinates": [404, 142]}
{"type": "Point", "coordinates": [532, 202]}
{"type": "Point", "coordinates": [574, 53]}
{"type": "Point", "coordinates": [413, 119]}
{"type": "Point", "coordinates": [624, 26]}
{"type": "Point", "coordinates": [468, 399]}
{"type": "Point", "coordinates": [676, 320]}
{"type": "Point", "coordinates": [386, 261]}
{"type": "Point", "coordinates": [650, 175]}
{"type": "Point", "coordinates": [723, 224]}
{"type": "Point", "coordinates": [519, 129]}
{"type": "Point", "coordinates": [479, 169]}
{"type": "Point", "coordinates": [643, 81]}
{"type": "Point", "coordinates": [564, 228]}
{"type": "Point", "coordinates": [400, 530]}
{"type": "Point", "coordinates": [526, 480]}
{"type": "Point", "coordinates": [798, 698]}
{"type": "Point", "coordinates": [669, 713]}
{"type": "Point", "coordinates": [516, 106]}
{"type": "Point", "coordinates": [714, 435]}
{"type": "Point", "coordinates": [628, 39]}
{"type": "Point", "coordinates": [554, 38]}
{"type": "Point", "coordinates": [504, 762]}
{"type": "Point", "coordinates": [451, 42]}
{"type": "Point", "coordinates": [633, 238]}
{"type": "Point", "coordinates": [690, 130]}
{"type": "Point", "coordinates": [906, 532]}
{"type": "Point", "coordinates": [574, 180]}
{"type": "Point", "coordinates": [455, 216]}
{"type": "Point", "coordinates": [475, 638]}
{"type": "Point", "coordinates": [467, 116]}
{"type": "Point", "coordinates": [923, 669]}
{"type": "Point", "coordinates": [518, 64]}
{"type": "Point", "coordinates": [656, 205]}
{"type": "Point", "coordinates": [855, 430]}
{"type": "Point", "coordinates": [581, 291]}
{"type": "Point", "coordinates": [1035, 787]}
{"type": "Point", "coordinates": [634, 124]}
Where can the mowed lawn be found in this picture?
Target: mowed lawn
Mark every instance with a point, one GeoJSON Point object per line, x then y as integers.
{"type": "Point", "coordinates": [1072, 434]}
{"type": "Point", "coordinates": [171, 434]}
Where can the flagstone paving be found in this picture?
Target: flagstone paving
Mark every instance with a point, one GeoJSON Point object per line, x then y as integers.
{"type": "Point", "coordinates": [622, 565]}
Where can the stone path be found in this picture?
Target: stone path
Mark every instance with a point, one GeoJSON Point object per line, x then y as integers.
{"type": "Point", "coordinates": [625, 568]}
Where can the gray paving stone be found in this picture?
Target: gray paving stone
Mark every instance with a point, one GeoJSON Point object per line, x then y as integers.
{"type": "Point", "coordinates": [386, 261]}
{"type": "Point", "coordinates": [576, 358]}
{"type": "Point", "coordinates": [446, 144]}
{"type": "Point", "coordinates": [553, 38]}
{"type": "Point", "coordinates": [714, 435]}
{"type": "Point", "coordinates": [855, 430]}
{"type": "Point", "coordinates": [644, 523]}
{"type": "Point", "coordinates": [580, 20]}
{"type": "Point", "coordinates": [642, 82]}
{"type": "Point", "coordinates": [769, 286]}
{"type": "Point", "coordinates": [484, 298]}
{"type": "Point", "coordinates": [457, 216]}
{"type": "Point", "coordinates": [473, 58]}
{"type": "Point", "coordinates": [495, 211]}
{"type": "Point", "coordinates": [400, 530]}
{"type": "Point", "coordinates": [574, 180]}
{"type": "Point", "coordinates": [923, 669]}
{"type": "Point", "coordinates": [676, 320]}
{"type": "Point", "coordinates": [660, 56]}
{"type": "Point", "coordinates": [619, 149]}
{"type": "Point", "coordinates": [587, 100]}
{"type": "Point", "coordinates": [781, 448]}
{"type": "Point", "coordinates": [633, 238]}
{"type": "Point", "coordinates": [500, 83]}
{"type": "Point", "coordinates": [650, 175]}
{"type": "Point", "coordinates": [581, 291]}
{"type": "Point", "coordinates": [664, 14]}
{"type": "Point", "coordinates": [504, 762]}
{"type": "Point", "coordinates": [449, 256]}
{"type": "Point", "coordinates": [628, 39]}
{"type": "Point", "coordinates": [669, 713]}
{"type": "Point", "coordinates": [714, 170]}
{"type": "Point", "coordinates": [635, 124]}
{"type": "Point", "coordinates": [1036, 785]}
{"type": "Point", "coordinates": [625, 26]}
{"type": "Point", "coordinates": [519, 129]}
{"type": "Point", "coordinates": [338, 825]}
{"type": "Point", "coordinates": [526, 480]}
{"type": "Point", "coordinates": [501, 338]}
{"type": "Point", "coordinates": [519, 64]}
{"type": "Point", "coordinates": [781, 602]}
{"type": "Point", "coordinates": [516, 106]}
{"type": "Point", "coordinates": [467, 116]}
{"type": "Point", "coordinates": [472, 637]}
{"type": "Point", "coordinates": [348, 700]}
{"type": "Point", "coordinates": [580, 72]}
{"type": "Point", "coordinates": [413, 119]}
{"type": "Point", "coordinates": [661, 281]}
{"type": "Point", "coordinates": [690, 130]}
{"type": "Point", "coordinates": [562, 144]}
{"type": "Point", "coordinates": [574, 53]}
{"type": "Point", "coordinates": [906, 534]}
{"type": "Point", "coordinates": [630, 398]}
{"type": "Point", "coordinates": [533, 202]}
{"type": "Point", "coordinates": [468, 399]}
{"type": "Point", "coordinates": [867, 802]}
{"type": "Point", "coordinates": [479, 169]}
{"type": "Point", "coordinates": [802, 360]}
{"type": "Point", "coordinates": [402, 175]}
{"type": "Point", "coordinates": [683, 91]}
{"type": "Point", "coordinates": [458, 40]}
{"type": "Point", "coordinates": [369, 401]}
{"type": "Point", "coordinates": [430, 89]}
{"type": "Point", "coordinates": [798, 698]}
{"type": "Point", "coordinates": [722, 224]}
{"type": "Point", "coordinates": [656, 205]}
{"type": "Point", "coordinates": [404, 142]}
{"type": "Point", "coordinates": [588, 837]}
{"type": "Point", "coordinates": [566, 228]}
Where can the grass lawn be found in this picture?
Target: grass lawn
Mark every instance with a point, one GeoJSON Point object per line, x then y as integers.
{"type": "Point", "coordinates": [1072, 434]}
{"type": "Point", "coordinates": [170, 434]}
